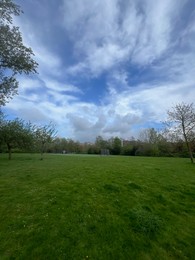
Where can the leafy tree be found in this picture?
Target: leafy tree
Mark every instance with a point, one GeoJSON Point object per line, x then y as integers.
{"type": "Point", "coordinates": [100, 143]}
{"type": "Point", "coordinates": [150, 135]}
{"type": "Point", "coordinates": [127, 149]}
{"type": "Point", "coordinates": [15, 58]}
{"type": "Point", "coordinates": [151, 140]}
{"type": "Point", "coordinates": [15, 134]}
{"type": "Point", "coordinates": [43, 136]}
{"type": "Point", "coordinates": [116, 145]}
{"type": "Point", "coordinates": [181, 121]}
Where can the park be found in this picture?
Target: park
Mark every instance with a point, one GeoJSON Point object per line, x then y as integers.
{"type": "Point", "coordinates": [96, 207]}
{"type": "Point", "coordinates": [97, 130]}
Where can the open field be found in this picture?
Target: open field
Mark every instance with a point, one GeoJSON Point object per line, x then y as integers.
{"type": "Point", "coordinates": [92, 207]}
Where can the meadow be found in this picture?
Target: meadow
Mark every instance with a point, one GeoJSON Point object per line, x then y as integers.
{"type": "Point", "coordinates": [96, 207]}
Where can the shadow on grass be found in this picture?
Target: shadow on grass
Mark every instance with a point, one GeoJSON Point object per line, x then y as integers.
{"type": "Point", "coordinates": [134, 186]}
{"type": "Point", "coordinates": [111, 187]}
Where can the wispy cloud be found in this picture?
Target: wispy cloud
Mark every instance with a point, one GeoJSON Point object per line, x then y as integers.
{"type": "Point", "coordinates": [140, 53]}
{"type": "Point", "coordinates": [139, 32]}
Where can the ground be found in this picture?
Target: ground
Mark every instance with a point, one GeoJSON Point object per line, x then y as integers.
{"type": "Point", "coordinates": [96, 207]}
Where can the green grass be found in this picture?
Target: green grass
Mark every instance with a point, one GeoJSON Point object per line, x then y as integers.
{"type": "Point", "coordinates": [93, 207]}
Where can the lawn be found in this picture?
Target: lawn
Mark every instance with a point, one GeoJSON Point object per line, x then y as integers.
{"type": "Point", "coordinates": [93, 207]}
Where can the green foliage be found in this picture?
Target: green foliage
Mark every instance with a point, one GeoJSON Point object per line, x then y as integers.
{"type": "Point", "coordinates": [21, 136]}
{"type": "Point", "coordinates": [92, 207]}
{"type": "Point", "coordinates": [43, 136]}
{"type": "Point", "coordinates": [101, 143]}
{"type": "Point", "coordinates": [133, 147]}
{"type": "Point", "coordinates": [16, 134]}
{"type": "Point", "coordinates": [116, 146]}
{"type": "Point", "coordinates": [15, 58]}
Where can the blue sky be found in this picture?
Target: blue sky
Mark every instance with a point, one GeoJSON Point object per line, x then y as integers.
{"type": "Point", "coordinates": [106, 67]}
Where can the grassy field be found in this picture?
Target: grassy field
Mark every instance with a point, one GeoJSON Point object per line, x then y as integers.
{"type": "Point", "coordinates": [93, 207]}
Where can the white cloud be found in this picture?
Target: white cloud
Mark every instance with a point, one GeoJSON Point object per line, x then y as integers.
{"type": "Point", "coordinates": [157, 25]}
{"type": "Point", "coordinates": [104, 37]}
{"type": "Point", "coordinates": [58, 86]}
{"type": "Point", "coordinates": [120, 114]}
{"type": "Point", "coordinates": [27, 83]}
{"type": "Point", "coordinates": [49, 62]}
{"type": "Point", "coordinates": [105, 34]}
{"type": "Point", "coordinates": [127, 111]}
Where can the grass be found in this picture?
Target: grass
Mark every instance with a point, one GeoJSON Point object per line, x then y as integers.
{"type": "Point", "coordinates": [92, 207]}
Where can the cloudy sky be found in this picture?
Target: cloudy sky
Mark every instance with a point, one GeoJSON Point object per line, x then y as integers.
{"type": "Point", "coordinates": [106, 67]}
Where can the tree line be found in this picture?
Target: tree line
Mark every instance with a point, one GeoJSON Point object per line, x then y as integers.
{"type": "Point", "coordinates": [177, 138]}
{"type": "Point", "coordinates": [150, 143]}
{"type": "Point", "coordinates": [20, 136]}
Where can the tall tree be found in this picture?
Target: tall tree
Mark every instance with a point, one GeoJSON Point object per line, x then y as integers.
{"type": "Point", "coordinates": [15, 57]}
{"type": "Point", "coordinates": [149, 135]}
{"type": "Point", "coordinates": [116, 145]}
{"type": "Point", "coordinates": [181, 120]}
{"type": "Point", "coordinates": [100, 143]}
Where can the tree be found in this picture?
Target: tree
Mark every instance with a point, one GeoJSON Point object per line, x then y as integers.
{"type": "Point", "coordinates": [15, 134]}
{"type": "Point", "coordinates": [43, 136]}
{"type": "Point", "coordinates": [15, 58]}
{"type": "Point", "coordinates": [115, 145]}
{"type": "Point", "coordinates": [151, 140]}
{"type": "Point", "coordinates": [100, 143]}
{"type": "Point", "coordinates": [181, 121]}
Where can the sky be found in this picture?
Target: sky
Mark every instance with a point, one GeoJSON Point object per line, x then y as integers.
{"type": "Point", "coordinates": [106, 67]}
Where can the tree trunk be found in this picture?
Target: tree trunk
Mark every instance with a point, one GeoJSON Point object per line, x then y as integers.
{"type": "Point", "coordinates": [41, 155]}
{"type": "Point", "coordinates": [189, 151]}
{"type": "Point", "coordinates": [9, 152]}
{"type": "Point", "coordinates": [188, 144]}
{"type": "Point", "coordinates": [42, 151]}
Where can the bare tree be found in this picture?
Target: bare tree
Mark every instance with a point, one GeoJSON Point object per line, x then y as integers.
{"type": "Point", "coordinates": [181, 120]}
{"type": "Point", "coordinates": [43, 136]}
